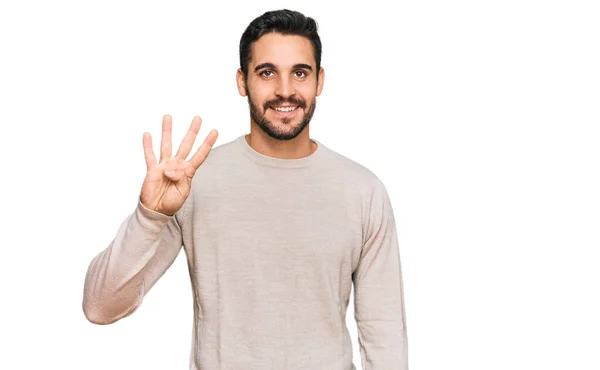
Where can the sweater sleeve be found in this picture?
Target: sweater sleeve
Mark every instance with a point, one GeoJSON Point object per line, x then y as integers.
{"type": "Point", "coordinates": [378, 290]}
{"type": "Point", "coordinates": [145, 246]}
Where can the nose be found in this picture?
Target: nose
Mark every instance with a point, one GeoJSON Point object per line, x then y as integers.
{"type": "Point", "coordinates": [285, 87]}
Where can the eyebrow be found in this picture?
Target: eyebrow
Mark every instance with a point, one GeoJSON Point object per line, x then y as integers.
{"type": "Point", "coordinates": [271, 65]}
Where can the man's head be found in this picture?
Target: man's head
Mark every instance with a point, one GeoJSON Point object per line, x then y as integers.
{"type": "Point", "coordinates": [280, 72]}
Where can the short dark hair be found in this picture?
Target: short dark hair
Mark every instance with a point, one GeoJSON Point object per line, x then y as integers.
{"type": "Point", "coordinates": [285, 22]}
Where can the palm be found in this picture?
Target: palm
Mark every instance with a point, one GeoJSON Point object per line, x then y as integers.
{"type": "Point", "coordinates": [168, 182]}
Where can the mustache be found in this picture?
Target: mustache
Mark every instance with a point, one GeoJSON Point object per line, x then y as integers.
{"type": "Point", "coordinates": [290, 100]}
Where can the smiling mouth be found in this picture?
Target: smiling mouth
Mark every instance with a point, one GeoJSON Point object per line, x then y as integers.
{"type": "Point", "coordinates": [285, 109]}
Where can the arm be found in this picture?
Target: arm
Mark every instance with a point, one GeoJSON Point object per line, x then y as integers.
{"type": "Point", "coordinates": [119, 277]}
{"type": "Point", "coordinates": [150, 239]}
{"type": "Point", "coordinates": [378, 290]}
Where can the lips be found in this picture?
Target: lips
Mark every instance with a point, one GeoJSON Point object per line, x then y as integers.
{"type": "Point", "coordinates": [281, 105]}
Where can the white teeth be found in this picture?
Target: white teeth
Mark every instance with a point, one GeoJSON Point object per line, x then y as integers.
{"type": "Point", "coordinates": [284, 109]}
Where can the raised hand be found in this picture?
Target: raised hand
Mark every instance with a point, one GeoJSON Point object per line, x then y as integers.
{"type": "Point", "coordinates": [168, 182]}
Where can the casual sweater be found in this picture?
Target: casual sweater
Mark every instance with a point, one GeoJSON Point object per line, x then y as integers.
{"type": "Point", "coordinates": [273, 248]}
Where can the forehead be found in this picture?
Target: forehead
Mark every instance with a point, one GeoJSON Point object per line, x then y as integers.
{"type": "Point", "coordinates": [282, 50]}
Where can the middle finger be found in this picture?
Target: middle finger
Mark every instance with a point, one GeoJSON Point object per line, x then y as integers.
{"type": "Point", "coordinates": [165, 145]}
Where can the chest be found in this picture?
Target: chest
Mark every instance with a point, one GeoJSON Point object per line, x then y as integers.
{"type": "Point", "coordinates": [289, 225]}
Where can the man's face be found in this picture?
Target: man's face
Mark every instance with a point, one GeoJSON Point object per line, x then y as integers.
{"type": "Point", "coordinates": [281, 84]}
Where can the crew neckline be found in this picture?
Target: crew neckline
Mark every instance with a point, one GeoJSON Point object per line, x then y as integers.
{"type": "Point", "coordinates": [266, 160]}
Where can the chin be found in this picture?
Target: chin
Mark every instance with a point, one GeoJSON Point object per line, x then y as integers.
{"type": "Point", "coordinates": [282, 131]}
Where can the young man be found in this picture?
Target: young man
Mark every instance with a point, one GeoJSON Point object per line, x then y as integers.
{"type": "Point", "coordinates": [276, 228]}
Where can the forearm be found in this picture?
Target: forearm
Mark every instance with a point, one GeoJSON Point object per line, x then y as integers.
{"type": "Point", "coordinates": [381, 323]}
{"type": "Point", "coordinates": [379, 292]}
{"type": "Point", "coordinates": [118, 277]}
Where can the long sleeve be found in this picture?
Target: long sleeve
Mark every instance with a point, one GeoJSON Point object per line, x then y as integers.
{"type": "Point", "coordinates": [378, 290]}
{"type": "Point", "coordinates": [146, 245]}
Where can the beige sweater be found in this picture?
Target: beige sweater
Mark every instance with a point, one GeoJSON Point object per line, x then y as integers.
{"type": "Point", "coordinates": [273, 248]}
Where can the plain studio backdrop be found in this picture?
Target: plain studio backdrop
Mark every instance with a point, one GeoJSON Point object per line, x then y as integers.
{"type": "Point", "coordinates": [481, 118]}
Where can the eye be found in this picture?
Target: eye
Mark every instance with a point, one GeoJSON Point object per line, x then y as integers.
{"type": "Point", "coordinates": [300, 74]}
{"type": "Point", "coordinates": [267, 73]}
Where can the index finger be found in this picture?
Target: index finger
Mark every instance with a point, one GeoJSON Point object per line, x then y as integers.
{"type": "Point", "coordinates": [188, 141]}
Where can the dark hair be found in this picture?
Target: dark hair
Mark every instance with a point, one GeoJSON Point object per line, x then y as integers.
{"type": "Point", "coordinates": [284, 21]}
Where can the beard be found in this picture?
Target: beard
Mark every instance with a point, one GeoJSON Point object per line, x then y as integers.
{"type": "Point", "coordinates": [287, 132]}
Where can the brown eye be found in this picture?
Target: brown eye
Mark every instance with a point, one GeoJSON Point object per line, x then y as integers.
{"type": "Point", "coordinates": [300, 74]}
{"type": "Point", "coordinates": [266, 73]}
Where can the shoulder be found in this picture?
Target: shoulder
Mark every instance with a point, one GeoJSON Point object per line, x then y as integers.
{"type": "Point", "coordinates": [361, 184]}
{"type": "Point", "coordinates": [353, 172]}
{"type": "Point", "coordinates": [219, 159]}
{"type": "Point", "coordinates": [211, 174]}
{"type": "Point", "coordinates": [221, 153]}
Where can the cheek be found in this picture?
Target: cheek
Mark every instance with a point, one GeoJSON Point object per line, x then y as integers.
{"type": "Point", "coordinates": [259, 94]}
{"type": "Point", "coordinates": [307, 91]}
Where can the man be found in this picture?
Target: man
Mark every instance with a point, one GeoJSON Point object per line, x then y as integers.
{"type": "Point", "coordinates": [276, 228]}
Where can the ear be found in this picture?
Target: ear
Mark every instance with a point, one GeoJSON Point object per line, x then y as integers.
{"type": "Point", "coordinates": [321, 81]}
{"type": "Point", "coordinates": [241, 84]}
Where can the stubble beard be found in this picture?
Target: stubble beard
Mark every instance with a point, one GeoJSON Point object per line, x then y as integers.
{"type": "Point", "coordinates": [275, 131]}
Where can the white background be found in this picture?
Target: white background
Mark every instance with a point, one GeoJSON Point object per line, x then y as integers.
{"type": "Point", "coordinates": [481, 117]}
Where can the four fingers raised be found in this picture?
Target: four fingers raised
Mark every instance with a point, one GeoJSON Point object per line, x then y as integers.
{"type": "Point", "coordinates": [185, 147]}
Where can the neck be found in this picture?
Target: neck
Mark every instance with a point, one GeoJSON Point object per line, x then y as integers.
{"type": "Point", "coordinates": [299, 147]}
